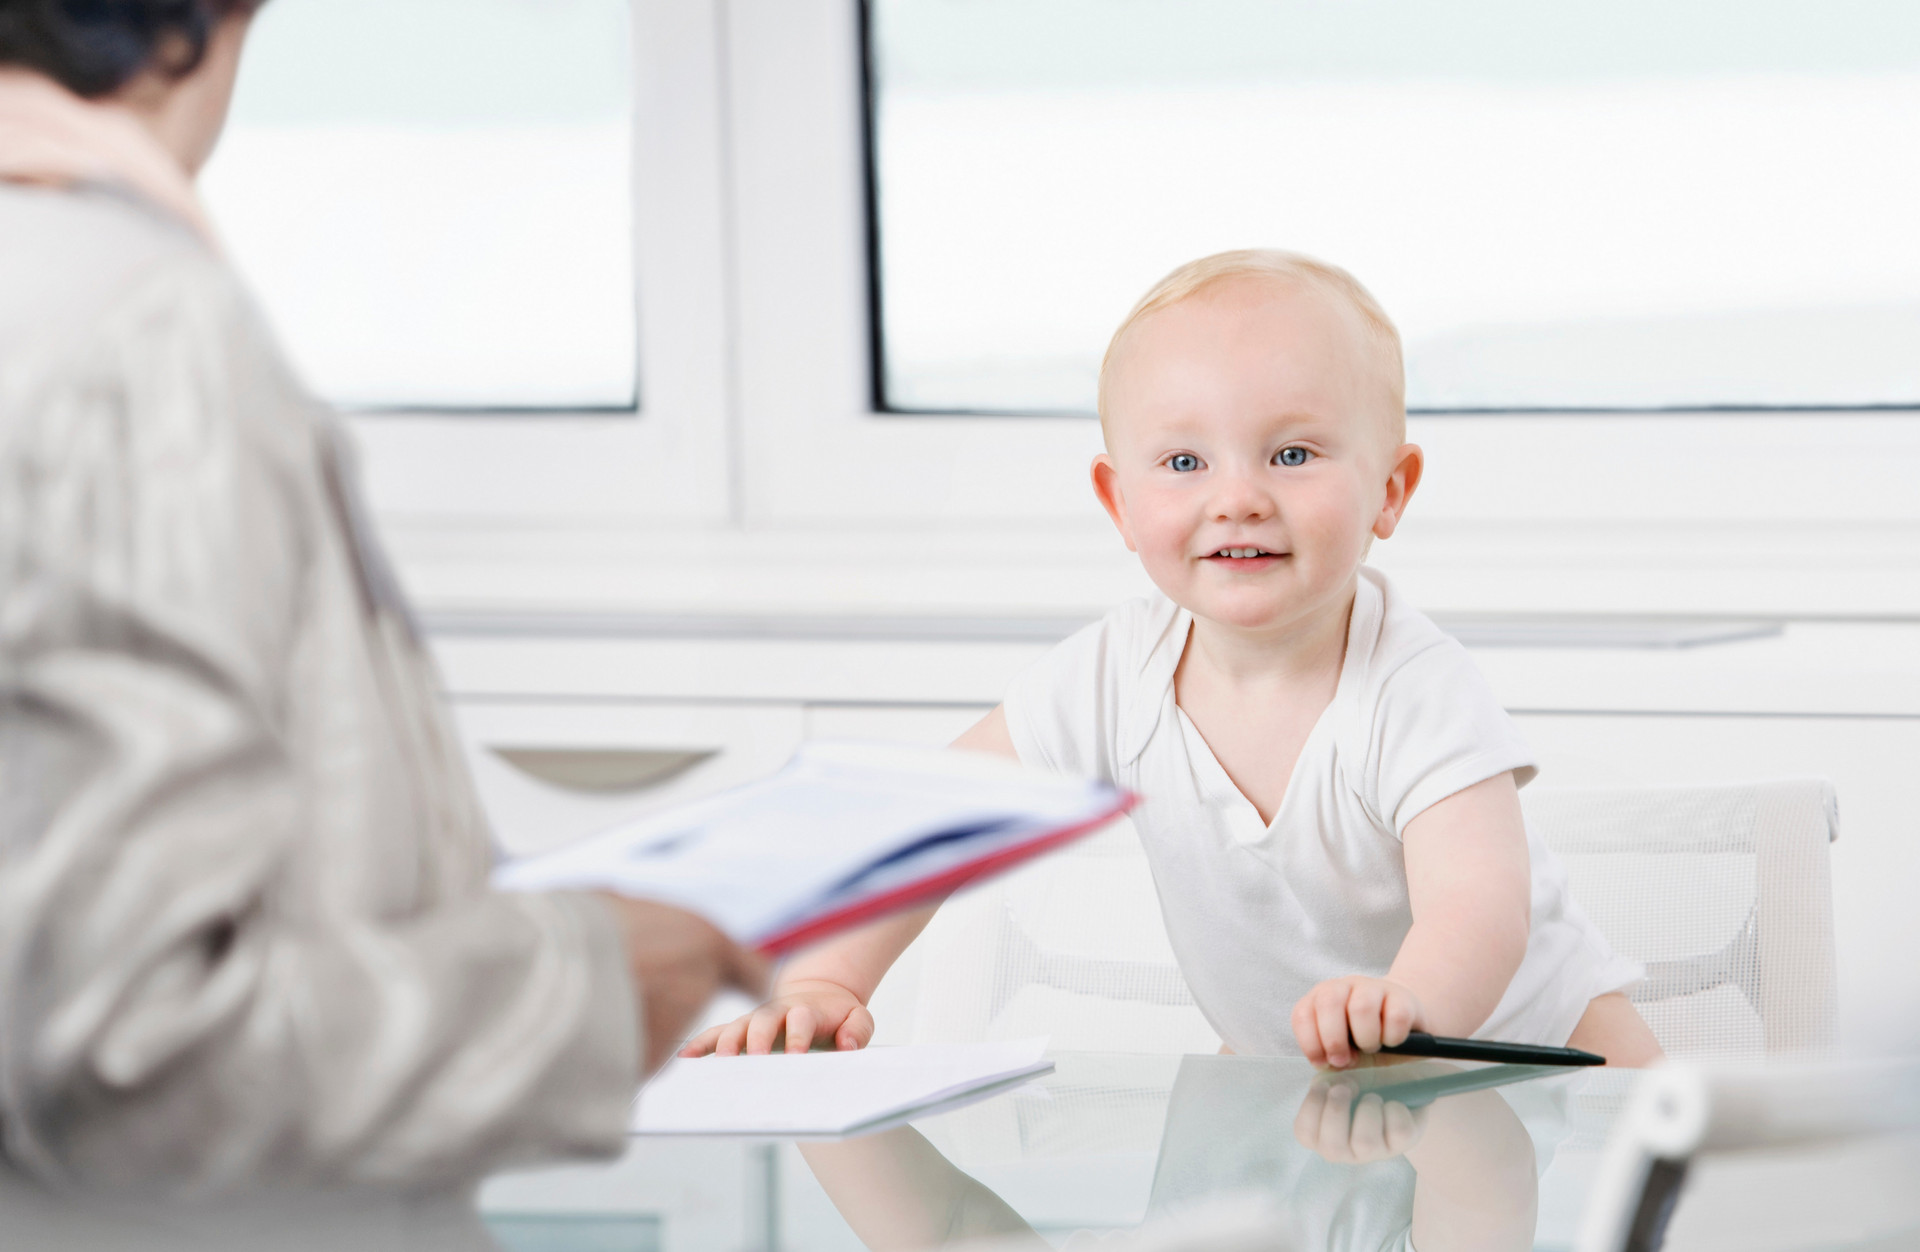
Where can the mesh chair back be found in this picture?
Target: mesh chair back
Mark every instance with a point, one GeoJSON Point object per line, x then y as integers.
{"type": "Point", "coordinates": [1723, 892]}
{"type": "Point", "coordinates": [1071, 946]}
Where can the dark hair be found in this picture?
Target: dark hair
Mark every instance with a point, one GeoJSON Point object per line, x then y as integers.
{"type": "Point", "coordinates": [94, 47]}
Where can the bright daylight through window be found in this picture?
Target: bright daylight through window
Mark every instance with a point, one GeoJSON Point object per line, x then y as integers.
{"type": "Point", "coordinates": [1587, 204]}
{"type": "Point", "coordinates": [433, 198]}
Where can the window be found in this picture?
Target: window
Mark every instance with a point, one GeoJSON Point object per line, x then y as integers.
{"type": "Point", "coordinates": [433, 199]}
{"type": "Point", "coordinates": [761, 471]}
{"type": "Point", "coordinates": [1589, 204]}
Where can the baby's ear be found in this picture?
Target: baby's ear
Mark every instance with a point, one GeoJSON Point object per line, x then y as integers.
{"type": "Point", "coordinates": [1407, 463]}
{"type": "Point", "coordinates": [1106, 485]}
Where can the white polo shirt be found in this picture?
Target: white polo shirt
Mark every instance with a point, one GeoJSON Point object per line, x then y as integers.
{"type": "Point", "coordinates": [1258, 913]}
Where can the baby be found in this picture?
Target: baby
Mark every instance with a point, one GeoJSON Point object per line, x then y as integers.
{"type": "Point", "coordinates": [1332, 810]}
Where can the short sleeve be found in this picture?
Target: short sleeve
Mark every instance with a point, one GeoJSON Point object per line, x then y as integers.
{"type": "Point", "coordinates": [1064, 710]}
{"type": "Point", "coordinates": [1437, 730]}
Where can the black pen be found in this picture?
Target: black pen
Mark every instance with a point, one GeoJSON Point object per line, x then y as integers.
{"type": "Point", "coordinates": [1420, 1043]}
{"type": "Point", "coordinates": [1416, 1086]}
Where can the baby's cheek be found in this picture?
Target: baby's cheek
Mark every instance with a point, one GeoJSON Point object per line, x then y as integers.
{"type": "Point", "coordinates": [1337, 534]}
{"type": "Point", "coordinates": [1163, 550]}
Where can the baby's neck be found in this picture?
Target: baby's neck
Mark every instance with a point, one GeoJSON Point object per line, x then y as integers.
{"type": "Point", "coordinates": [1255, 698]}
{"type": "Point", "coordinates": [1306, 652]}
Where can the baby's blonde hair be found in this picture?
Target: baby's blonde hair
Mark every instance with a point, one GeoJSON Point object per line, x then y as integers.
{"type": "Point", "coordinates": [1274, 265]}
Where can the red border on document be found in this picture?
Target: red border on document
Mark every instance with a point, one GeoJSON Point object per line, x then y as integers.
{"type": "Point", "coordinates": [938, 885]}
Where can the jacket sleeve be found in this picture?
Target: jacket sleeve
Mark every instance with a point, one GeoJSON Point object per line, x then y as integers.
{"type": "Point", "coordinates": [175, 1009]}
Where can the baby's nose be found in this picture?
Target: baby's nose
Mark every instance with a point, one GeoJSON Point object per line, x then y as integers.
{"type": "Point", "coordinates": [1237, 497]}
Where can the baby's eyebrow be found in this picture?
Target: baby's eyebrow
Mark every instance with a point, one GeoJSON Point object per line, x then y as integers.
{"type": "Point", "coordinates": [1303, 418]}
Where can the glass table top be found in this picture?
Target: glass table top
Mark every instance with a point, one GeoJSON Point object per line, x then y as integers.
{"type": "Point", "coordinates": [1428, 1155]}
{"type": "Point", "coordinates": [1453, 1153]}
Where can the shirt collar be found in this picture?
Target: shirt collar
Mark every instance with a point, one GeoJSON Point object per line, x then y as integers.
{"type": "Point", "coordinates": [51, 137]}
{"type": "Point", "coordinates": [1150, 698]}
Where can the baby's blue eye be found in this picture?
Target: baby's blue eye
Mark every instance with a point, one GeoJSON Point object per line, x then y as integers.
{"type": "Point", "coordinates": [1183, 462]}
{"type": "Point", "coordinates": [1294, 456]}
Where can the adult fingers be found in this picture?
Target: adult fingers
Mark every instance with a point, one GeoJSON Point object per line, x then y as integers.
{"type": "Point", "coordinates": [1363, 1016]}
{"type": "Point", "coordinates": [1330, 1011]}
{"type": "Point", "coordinates": [856, 1031]}
{"type": "Point", "coordinates": [801, 1024]}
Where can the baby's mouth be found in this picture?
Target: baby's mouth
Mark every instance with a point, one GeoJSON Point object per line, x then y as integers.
{"type": "Point", "coordinates": [1244, 554]}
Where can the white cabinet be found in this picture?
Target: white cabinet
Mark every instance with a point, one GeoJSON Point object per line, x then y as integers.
{"type": "Point", "coordinates": [591, 716]}
{"type": "Point", "coordinates": [550, 771]}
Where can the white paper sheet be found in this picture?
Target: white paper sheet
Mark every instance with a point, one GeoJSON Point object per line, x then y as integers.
{"type": "Point", "coordinates": [842, 823]}
{"type": "Point", "coordinates": [828, 1094]}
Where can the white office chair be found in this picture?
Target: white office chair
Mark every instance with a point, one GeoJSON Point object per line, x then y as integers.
{"type": "Point", "coordinates": [1071, 947]}
{"type": "Point", "coordinates": [1723, 892]}
{"type": "Point", "coordinates": [1797, 1155]}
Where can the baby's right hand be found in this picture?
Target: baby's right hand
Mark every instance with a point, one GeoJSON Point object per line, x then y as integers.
{"type": "Point", "coordinates": [800, 1014]}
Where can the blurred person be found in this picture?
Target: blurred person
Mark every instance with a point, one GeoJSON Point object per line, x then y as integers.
{"type": "Point", "coordinates": [247, 940]}
{"type": "Point", "coordinates": [1331, 792]}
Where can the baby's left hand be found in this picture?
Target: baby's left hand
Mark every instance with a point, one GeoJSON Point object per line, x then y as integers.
{"type": "Point", "coordinates": [1341, 1014]}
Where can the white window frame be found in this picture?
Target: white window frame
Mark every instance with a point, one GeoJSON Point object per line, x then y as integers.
{"type": "Point", "coordinates": [758, 430]}
{"type": "Point", "coordinates": [797, 120]}
{"type": "Point", "coordinates": [668, 463]}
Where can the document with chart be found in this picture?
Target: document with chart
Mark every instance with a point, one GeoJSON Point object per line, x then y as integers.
{"type": "Point", "coordinates": [843, 834]}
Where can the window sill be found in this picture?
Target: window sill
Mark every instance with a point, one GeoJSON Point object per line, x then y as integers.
{"type": "Point", "coordinates": [1072, 570]}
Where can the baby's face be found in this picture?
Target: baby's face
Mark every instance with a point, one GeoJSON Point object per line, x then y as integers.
{"type": "Point", "coordinates": [1250, 443]}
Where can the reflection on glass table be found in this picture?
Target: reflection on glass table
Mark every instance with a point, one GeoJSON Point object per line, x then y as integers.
{"type": "Point", "coordinates": [1430, 1152]}
{"type": "Point", "coordinates": [1426, 1155]}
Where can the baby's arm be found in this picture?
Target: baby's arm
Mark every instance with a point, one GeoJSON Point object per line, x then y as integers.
{"type": "Point", "coordinates": [823, 993]}
{"type": "Point", "coordinates": [900, 1194]}
{"type": "Point", "coordinates": [1469, 881]}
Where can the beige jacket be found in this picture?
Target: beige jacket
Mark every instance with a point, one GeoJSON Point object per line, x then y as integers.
{"type": "Point", "coordinates": [245, 933]}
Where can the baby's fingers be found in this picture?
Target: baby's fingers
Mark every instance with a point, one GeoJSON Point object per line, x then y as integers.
{"type": "Point", "coordinates": [1364, 1011]}
{"type": "Point", "coordinates": [1402, 1128]}
{"type": "Point", "coordinates": [763, 1027]}
{"type": "Point", "coordinates": [1399, 1014]}
{"type": "Point", "coordinates": [1330, 1137]}
{"type": "Point", "coordinates": [1306, 1122]}
{"type": "Point", "coordinates": [732, 1039]}
{"type": "Point", "coordinates": [1306, 1031]}
{"type": "Point", "coordinates": [801, 1024]}
{"type": "Point", "coordinates": [856, 1031]}
{"type": "Point", "coordinates": [702, 1043]}
{"type": "Point", "coordinates": [1367, 1139]}
{"type": "Point", "coordinates": [1330, 1014]}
